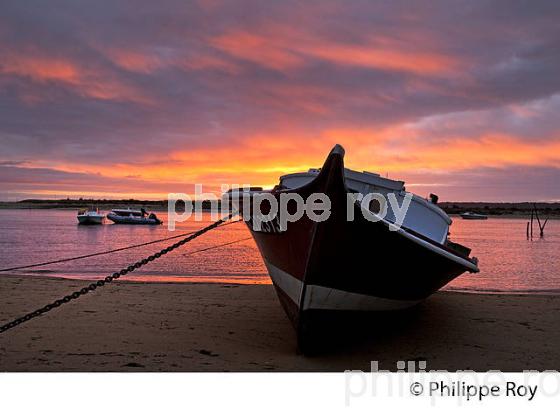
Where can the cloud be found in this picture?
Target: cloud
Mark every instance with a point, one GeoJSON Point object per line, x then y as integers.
{"type": "Point", "coordinates": [218, 90]}
{"type": "Point", "coordinates": [22, 182]}
{"type": "Point", "coordinates": [84, 81]}
{"type": "Point", "coordinates": [507, 184]}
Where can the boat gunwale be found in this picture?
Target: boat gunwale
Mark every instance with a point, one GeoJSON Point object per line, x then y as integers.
{"type": "Point", "coordinates": [441, 249]}
{"type": "Point", "coordinates": [414, 197]}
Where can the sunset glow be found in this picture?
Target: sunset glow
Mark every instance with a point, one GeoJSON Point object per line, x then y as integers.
{"type": "Point", "coordinates": [101, 101]}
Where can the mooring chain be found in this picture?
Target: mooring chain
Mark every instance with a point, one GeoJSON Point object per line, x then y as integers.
{"type": "Point", "coordinates": [108, 279]}
{"type": "Point", "coordinates": [91, 255]}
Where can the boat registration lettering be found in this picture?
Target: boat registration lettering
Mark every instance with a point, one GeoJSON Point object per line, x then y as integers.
{"type": "Point", "coordinates": [265, 226]}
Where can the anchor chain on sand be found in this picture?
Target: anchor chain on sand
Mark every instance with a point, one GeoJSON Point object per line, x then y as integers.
{"type": "Point", "coordinates": [108, 279]}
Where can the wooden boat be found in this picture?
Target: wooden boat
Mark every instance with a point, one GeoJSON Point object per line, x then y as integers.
{"type": "Point", "coordinates": [473, 215]}
{"type": "Point", "coordinates": [89, 217]}
{"type": "Point", "coordinates": [133, 217]}
{"type": "Point", "coordinates": [324, 268]}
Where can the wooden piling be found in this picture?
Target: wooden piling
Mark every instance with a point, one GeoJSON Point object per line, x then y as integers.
{"type": "Point", "coordinates": [541, 226]}
{"type": "Point", "coordinates": [532, 224]}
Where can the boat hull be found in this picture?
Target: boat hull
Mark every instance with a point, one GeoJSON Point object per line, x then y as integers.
{"type": "Point", "coordinates": [349, 266]}
{"type": "Point", "coordinates": [131, 220]}
{"type": "Point", "coordinates": [90, 220]}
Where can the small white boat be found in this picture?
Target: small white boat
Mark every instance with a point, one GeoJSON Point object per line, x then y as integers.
{"type": "Point", "coordinates": [87, 217]}
{"type": "Point", "coordinates": [473, 215]}
{"type": "Point", "coordinates": [133, 217]}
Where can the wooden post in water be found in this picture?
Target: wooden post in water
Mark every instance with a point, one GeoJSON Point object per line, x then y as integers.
{"type": "Point", "coordinates": [537, 216]}
{"type": "Point", "coordinates": [532, 224]}
{"type": "Point", "coordinates": [527, 230]}
{"type": "Point", "coordinates": [541, 227]}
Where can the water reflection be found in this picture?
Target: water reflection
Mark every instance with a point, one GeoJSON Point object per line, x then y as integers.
{"type": "Point", "coordinates": [508, 262]}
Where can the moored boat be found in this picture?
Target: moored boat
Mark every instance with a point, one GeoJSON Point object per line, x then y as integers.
{"type": "Point", "coordinates": [341, 265]}
{"type": "Point", "coordinates": [472, 215]}
{"type": "Point", "coordinates": [133, 217]}
{"type": "Point", "coordinates": [89, 217]}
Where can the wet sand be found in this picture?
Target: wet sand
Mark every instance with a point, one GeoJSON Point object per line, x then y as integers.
{"type": "Point", "coordinates": [213, 327]}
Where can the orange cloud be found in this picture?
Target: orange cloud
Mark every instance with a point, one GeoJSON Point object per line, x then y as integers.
{"type": "Point", "coordinates": [385, 59]}
{"type": "Point", "coordinates": [282, 49]}
{"type": "Point", "coordinates": [82, 80]}
{"type": "Point", "coordinates": [485, 151]}
{"type": "Point", "coordinates": [308, 98]}
{"type": "Point", "coordinates": [381, 152]}
{"type": "Point", "coordinates": [259, 160]}
{"type": "Point", "coordinates": [40, 68]}
{"type": "Point", "coordinates": [256, 160]}
{"type": "Point", "coordinates": [257, 49]}
{"type": "Point", "coordinates": [140, 62]}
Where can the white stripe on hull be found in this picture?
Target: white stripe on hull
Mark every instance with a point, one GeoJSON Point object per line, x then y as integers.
{"type": "Point", "coordinates": [290, 285]}
{"type": "Point", "coordinates": [320, 297]}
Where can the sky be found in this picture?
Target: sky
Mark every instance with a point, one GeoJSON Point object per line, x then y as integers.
{"type": "Point", "coordinates": [136, 99]}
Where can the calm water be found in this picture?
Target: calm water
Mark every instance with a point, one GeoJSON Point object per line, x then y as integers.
{"type": "Point", "coordinates": [508, 262]}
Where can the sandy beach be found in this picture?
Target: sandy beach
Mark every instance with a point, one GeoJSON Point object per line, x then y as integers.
{"type": "Point", "coordinates": [214, 327]}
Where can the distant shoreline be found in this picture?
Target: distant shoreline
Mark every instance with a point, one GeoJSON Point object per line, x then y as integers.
{"type": "Point", "coordinates": [102, 204]}
{"type": "Point", "coordinates": [504, 209]}
{"type": "Point", "coordinates": [493, 209]}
